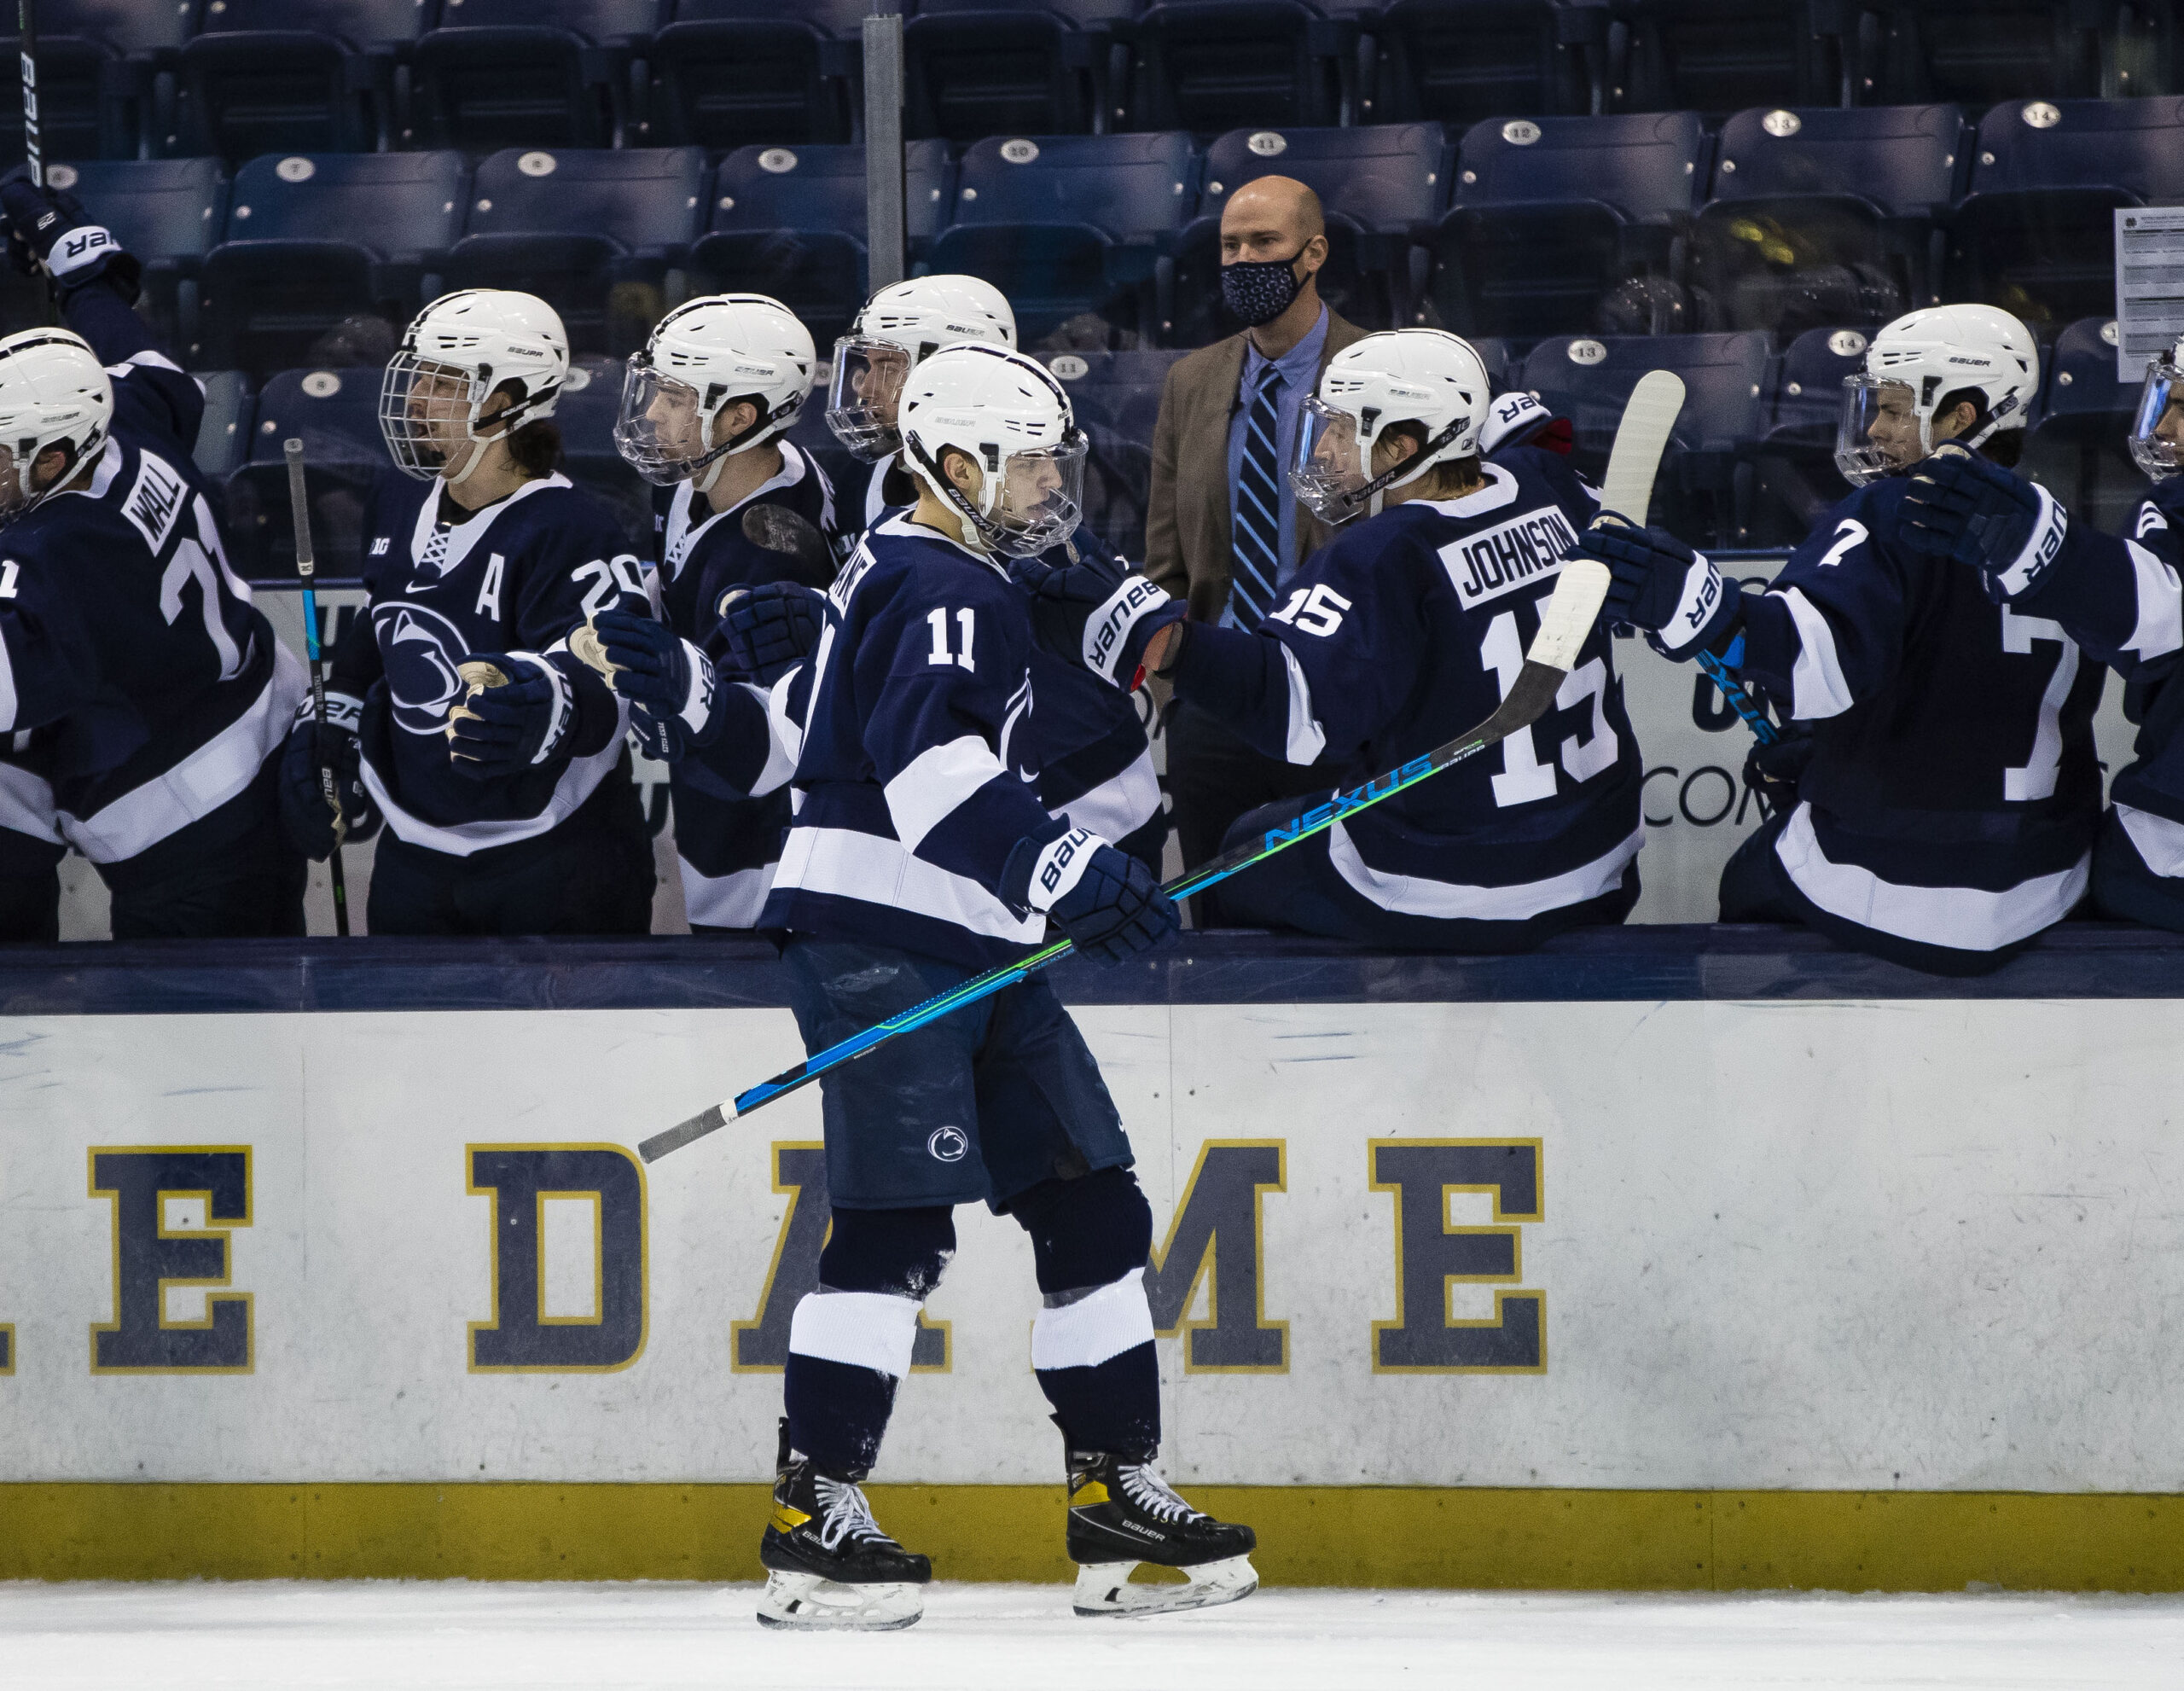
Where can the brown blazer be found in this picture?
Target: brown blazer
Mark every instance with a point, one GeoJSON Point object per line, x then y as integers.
{"type": "Point", "coordinates": [1187, 546]}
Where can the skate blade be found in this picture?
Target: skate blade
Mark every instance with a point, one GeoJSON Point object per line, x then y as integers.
{"type": "Point", "coordinates": [808, 1603]}
{"type": "Point", "coordinates": [1105, 1588]}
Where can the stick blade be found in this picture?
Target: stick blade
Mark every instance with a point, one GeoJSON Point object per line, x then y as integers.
{"type": "Point", "coordinates": [684, 1133]}
{"type": "Point", "coordinates": [1648, 421]}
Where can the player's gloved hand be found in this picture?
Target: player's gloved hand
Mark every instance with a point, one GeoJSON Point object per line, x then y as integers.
{"type": "Point", "coordinates": [49, 230]}
{"type": "Point", "coordinates": [1517, 419]}
{"type": "Point", "coordinates": [1091, 607]}
{"type": "Point", "coordinates": [314, 746]}
{"type": "Point", "coordinates": [1962, 506]}
{"type": "Point", "coordinates": [1109, 904]}
{"type": "Point", "coordinates": [1661, 585]}
{"type": "Point", "coordinates": [512, 728]}
{"type": "Point", "coordinates": [668, 681]}
{"type": "Point", "coordinates": [767, 630]}
{"type": "Point", "coordinates": [1774, 771]}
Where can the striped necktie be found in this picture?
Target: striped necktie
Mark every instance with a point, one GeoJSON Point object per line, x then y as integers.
{"type": "Point", "coordinates": [1258, 509]}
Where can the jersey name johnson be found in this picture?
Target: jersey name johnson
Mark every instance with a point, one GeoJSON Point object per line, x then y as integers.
{"type": "Point", "coordinates": [1518, 553]}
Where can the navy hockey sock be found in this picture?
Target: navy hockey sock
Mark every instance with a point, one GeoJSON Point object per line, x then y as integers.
{"type": "Point", "coordinates": [1092, 1343]}
{"type": "Point", "coordinates": [837, 1411]}
{"type": "Point", "coordinates": [1110, 1406]}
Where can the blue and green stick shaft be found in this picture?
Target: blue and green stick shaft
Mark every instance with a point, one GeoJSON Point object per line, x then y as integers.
{"type": "Point", "coordinates": [306, 567]}
{"type": "Point", "coordinates": [1763, 729]}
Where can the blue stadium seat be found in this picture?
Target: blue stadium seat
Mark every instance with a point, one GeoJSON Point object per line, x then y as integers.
{"type": "Point", "coordinates": [1552, 214]}
{"type": "Point", "coordinates": [981, 67]}
{"type": "Point", "coordinates": [1211, 64]}
{"type": "Point", "coordinates": [730, 73]}
{"type": "Point", "coordinates": [1979, 51]}
{"type": "Point", "coordinates": [1460, 61]}
{"type": "Point", "coordinates": [586, 415]}
{"type": "Point", "coordinates": [2034, 234]}
{"type": "Point", "coordinates": [1715, 56]}
{"type": "Point", "coordinates": [790, 222]}
{"type": "Point", "coordinates": [166, 211]}
{"type": "Point", "coordinates": [2077, 448]}
{"type": "Point", "coordinates": [1074, 228]}
{"type": "Point", "coordinates": [1794, 460]}
{"type": "Point", "coordinates": [532, 72]}
{"type": "Point", "coordinates": [296, 76]}
{"type": "Point", "coordinates": [224, 432]}
{"type": "Point", "coordinates": [1115, 397]}
{"type": "Point", "coordinates": [334, 412]}
{"type": "Point", "coordinates": [592, 233]}
{"type": "Point", "coordinates": [1382, 188]}
{"type": "Point", "coordinates": [1703, 492]}
{"type": "Point", "coordinates": [313, 239]}
{"type": "Point", "coordinates": [1823, 216]}
{"type": "Point", "coordinates": [106, 78]}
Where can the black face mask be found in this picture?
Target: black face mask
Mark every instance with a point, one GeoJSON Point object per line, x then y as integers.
{"type": "Point", "coordinates": [1257, 292]}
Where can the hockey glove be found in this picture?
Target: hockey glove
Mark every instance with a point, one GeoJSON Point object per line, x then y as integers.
{"type": "Point", "coordinates": [1971, 510]}
{"type": "Point", "coordinates": [314, 746]}
{"type": "Point", "coordinates": [1517, 419]}
{"type": "Point", "coordinates": [505, 730]}
{"type": "Point", "coordinates": [1096, 610]}
{"type": "Point", "coordinates": [767, 630]}
{"type": "Point", "coordinates": [1684, 604]}
{"type": "Point", "coordinates": [1774, 771]}
{"type": "Point", "coordinates": [668, 681]}
{"type": "Point", "coordinates": [51, 230]}
{"type": "Point", "coordinates": [1107, 902]}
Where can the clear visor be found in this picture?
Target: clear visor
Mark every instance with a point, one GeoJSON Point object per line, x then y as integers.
{"type": "Point", "coordinates": [1040, 502]}
{"type": "Point", "coordinates": [661, 429]}
{"type": "Point", "coordinates": [862, 396]}
{"type": "Point", "coordinates": [1879, 431]}
{"type": "Point", "coordinates": [428, 412]}
{"type": "Point", "coordinates": [1330, 472]}
{"type": "Point", "coordinates": [2158, 433]}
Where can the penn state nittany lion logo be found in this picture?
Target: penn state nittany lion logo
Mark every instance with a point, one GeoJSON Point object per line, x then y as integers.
{"type": "Point", "coordinates": [949, 1144]}
{"type": "Point", "coordinates": [420, 649]}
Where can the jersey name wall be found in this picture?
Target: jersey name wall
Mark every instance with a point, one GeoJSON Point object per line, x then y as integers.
{"type": "Point", "coordinates": [1396, 1244]}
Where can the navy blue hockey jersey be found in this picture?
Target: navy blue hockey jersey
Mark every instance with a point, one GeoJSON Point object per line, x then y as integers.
{"type": "Point", "coordinates": [122, 625]}
{"type": "Point", "coordinates": [517, 576]}
{"type": "Point", "coordinates": [726, 842]}
{"type": "Point", "coordinates": [1408, 629]}
{"type": "Point", "coordinates": [1953, 790]}
{"type": "Point", "coordinates": [918, 763]}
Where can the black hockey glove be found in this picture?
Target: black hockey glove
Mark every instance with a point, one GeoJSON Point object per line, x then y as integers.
{"type": "Point", "coordinates": [505, 730]}
{"type": "Point", "coordinates": [313, 745]}
{"type": "Point", "coordinates": [1094, 609]}
{"type": "Point", "coordinates": [1107, 902]}
{"type": "Point", "coordinates": [1774, 771]}
{"type": "Point", "coordinates": [1969, 508]}
{"type": "Point", "coordinates": [49, 230]}
{"type": "Point", "coordinates": [1661, 585]}
{"type": "Point", "coordinates": [668, 681]}
{"type": "Point", "coordinates": [768, 629]}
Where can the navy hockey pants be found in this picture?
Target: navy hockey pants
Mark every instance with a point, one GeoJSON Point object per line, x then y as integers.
{"type": "Point", "coordinates": [231, 875]}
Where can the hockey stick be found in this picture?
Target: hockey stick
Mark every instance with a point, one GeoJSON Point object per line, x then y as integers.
{"type": "Point", "coordinates": [299, 506]}
{"type": "Point", "coordinates": [27, 35]}
{"type": "Point", "coordinates": [1566, 620]}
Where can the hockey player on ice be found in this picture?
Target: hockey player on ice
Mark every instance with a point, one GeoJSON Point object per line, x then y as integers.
{"type": "Point", "coordinates": [1947, 812]}
{"type": "Point", "coordinates": [2119, 598]}
{"type": "Point", "coordinates": [705, 405]}
{"type": "Point", "coordinates": [164, 693]}
{"type": "Point", "coordinates": [509, 809]}
{"type": "Point", "coordinates": [1405, 630]}
{"type": "Point", "coordinates": [921, 857]}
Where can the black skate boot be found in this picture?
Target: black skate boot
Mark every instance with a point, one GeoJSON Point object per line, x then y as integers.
{"type": "Point", "coordinates": [1121, 1513]}
{"type": "Point", "coordinates": [829, 1566]}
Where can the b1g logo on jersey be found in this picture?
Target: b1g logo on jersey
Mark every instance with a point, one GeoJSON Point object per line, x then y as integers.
{"type": "Point", "coordinates": [421, 648]}
{"type": "Point", "coordinates": [1512, 555]}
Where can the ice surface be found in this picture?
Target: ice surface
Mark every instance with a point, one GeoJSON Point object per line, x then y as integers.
{"type": "Point", "coordinates": [417, 1635]}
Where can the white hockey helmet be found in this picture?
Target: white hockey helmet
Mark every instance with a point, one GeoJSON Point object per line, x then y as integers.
{"type": "Point", "coordinates": [1886, 423]}
{"type": "Point", "coordinates": [1423, 376]}
{"type": "Point", "coordinates": [2157, 432]}
{"type": "Point", "coordinates": [462, 350]}
{"type": "Point", "coordinates": [1006, 414]}
{"type": "Point", "coordinates": [703, 357]}
{"type": "Point", "coordinates": [900, 324]}
{"type": "Point", "coordinates": [53, 393]}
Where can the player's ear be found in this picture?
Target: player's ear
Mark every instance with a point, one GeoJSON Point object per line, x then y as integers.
{"type": "Point", "coordinates": [733, 421]}
{"type": "Point", "coordinates": [957, 467]}
{"type": "Point", "coordinates": [50, 466]}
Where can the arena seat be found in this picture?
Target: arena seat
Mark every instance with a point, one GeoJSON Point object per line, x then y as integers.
{"type": "Point", "coordinates": [729, 74]}
{"type": "Point", "coordinates": [2034, 233]}
{"type": "Point", "coordinates": [105, 78]}
{"type": "Point", "coordinates": [335, 414]}
{"type": "Point", "coordinates": [1460, 61]}
{"type": "Point", "coordinates": [295, 76]}
{"type": "Point", "coordinates": [1980, 51]}
{"type": "Point", "coordinates": [1212, 64]}
{"type": "Point", "coordinates": [223, 434]}
{"type": "Point", "coordinates": [1551, 213]}
{"type": "Point", "coordinates": [978, 67]}
{"type": "Point", "coordinates": [1116, 397]}
{"type": "Point", "coordinates": [1795, 477]}
{"type": "Point", "coordinates": [790, 222]}
{"type": "Point", "coordinates": [1073, 227]}
{"type": "Point", "coordinates": [1822, 216]}
{"type": "Point", "coordinates": [2078, 445]}
{"type": "Point", "coordinates": [592, 232]}
{"type": "Point", "coordinates": [586, 415]}
{"type": "Point", "coordinates": [530, 72]}
{"type": "Point", "coordinates": [312, 238]}
{"type": "Point", "coordinates": [1703, 492]}
{"type": "Point", "coordinates": [1382, 187]}
{"type": "Point", "coordinates": [1715, 56]}
{"type": "Point", "coordinates": [167, 212]}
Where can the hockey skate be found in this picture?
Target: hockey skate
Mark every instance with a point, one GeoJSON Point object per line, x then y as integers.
{"type": "Point", "coordinates": [828, 1564]}
{"type": "Point", "coordinates": [1121, 1513]}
